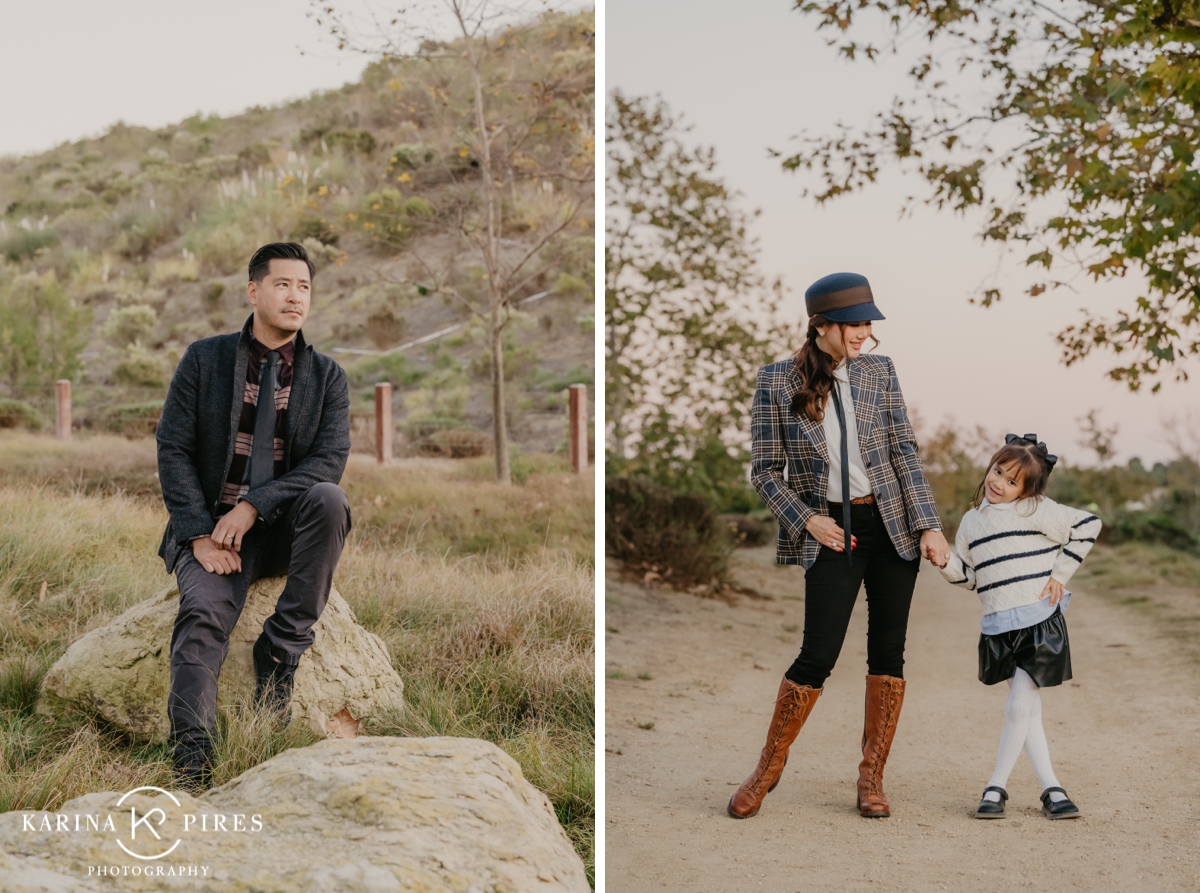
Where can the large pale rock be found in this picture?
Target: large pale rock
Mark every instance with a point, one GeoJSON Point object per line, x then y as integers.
{"type": "Point", "coordinates": [121, 672]}
{"type": "Point", "coordinates": [370, 815]}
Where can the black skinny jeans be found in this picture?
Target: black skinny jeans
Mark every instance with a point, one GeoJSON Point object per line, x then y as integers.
{"type": "Point", "coordinates": [830, 588]}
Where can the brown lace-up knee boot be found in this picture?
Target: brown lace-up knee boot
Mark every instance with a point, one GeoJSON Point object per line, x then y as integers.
{"type": "Point", "coordinates": [792, 706]}
{"type": "Point", "coordinates": [885, 697]}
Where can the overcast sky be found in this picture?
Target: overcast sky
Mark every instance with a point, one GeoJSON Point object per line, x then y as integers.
{"type": "Point", "coordinates": [71, 68]}
{"type": "Point", "coordinates": [753, 74]}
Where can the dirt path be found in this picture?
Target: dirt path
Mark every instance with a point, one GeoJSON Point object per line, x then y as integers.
{"type": "Point", "coordinates": [1125, 736]}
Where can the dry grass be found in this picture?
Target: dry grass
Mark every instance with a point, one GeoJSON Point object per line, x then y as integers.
{"type": "Point", "coordinates": [1162, 582]}
{"type": "Point", "coordinates": [493, 642]}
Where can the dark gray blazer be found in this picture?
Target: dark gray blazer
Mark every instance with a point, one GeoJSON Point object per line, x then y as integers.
{"type": "Point", "coordinates": [199, 425]}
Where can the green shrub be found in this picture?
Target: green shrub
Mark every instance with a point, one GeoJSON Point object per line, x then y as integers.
{"type": "Point", "coordinates": [26, 243]}
{"type": "Point", "coordinates": [131, 419]}
{"type": "Point", "coordinates": [1142, 527]}
{"type": "Point", "coordinates": [411, 156]}
{"type": "Point", "coordinates": [351, 141]}
{"type": "Point", "coordinates": [224, 248]}
{"type": "Point", "coordinates": [214, 293]}
{"type": "Point", "coordinates": [139, 368]}
{"type": "Point", "coordinates": [391, 367]}
{"type": "Point", "coordinates": [310, 227]}
{"type": "Point", "coordinates": [652, 529]}
{"type": "Point", "coordinates": [129, 325]}
{"type": "Point", "coordinates": [16, 414]}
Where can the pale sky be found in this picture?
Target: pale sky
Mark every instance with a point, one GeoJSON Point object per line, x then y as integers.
{"type": "Point", "coordinates": [71, 68]}
{"type": "Point", "coordinates": [753, 74]}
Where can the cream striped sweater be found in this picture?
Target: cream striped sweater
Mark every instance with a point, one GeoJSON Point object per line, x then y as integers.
{"type": "Point", "coordinates": [1007, 552]}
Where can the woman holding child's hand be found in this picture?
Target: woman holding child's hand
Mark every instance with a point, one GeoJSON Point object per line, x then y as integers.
{"type": "Point", "coordinates": [854, 508]}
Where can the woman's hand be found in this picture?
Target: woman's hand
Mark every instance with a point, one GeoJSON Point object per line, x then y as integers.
{"type": "Point", "coordinates": [935, 548]}
{"type": "Point", "coordinates": [1054, 591]}
{"type": "Point", "coordinates": [827, 532]}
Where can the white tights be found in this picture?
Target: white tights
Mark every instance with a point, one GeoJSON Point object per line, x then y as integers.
{"type": "Point", "coordinates": [1023, 728]}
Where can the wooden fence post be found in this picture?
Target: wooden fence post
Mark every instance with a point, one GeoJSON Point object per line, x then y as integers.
{"type": "Point", "coordinates": [383, 423]}
{"type": "Point", "coordinates": [62, 409]}
{"type": "Point", "coordinates": [579, 427]}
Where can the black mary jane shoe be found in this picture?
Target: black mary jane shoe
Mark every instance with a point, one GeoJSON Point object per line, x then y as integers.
{"type": "Point", "coordinates": [991, 809]}
{"type": "Point", "coordinates": [1062, 809]}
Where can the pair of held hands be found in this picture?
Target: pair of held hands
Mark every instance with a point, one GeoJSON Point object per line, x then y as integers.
{"type": "Point", "coordinates": [933, 547]}
{"type": "Point", "coordinates": [219, 553]}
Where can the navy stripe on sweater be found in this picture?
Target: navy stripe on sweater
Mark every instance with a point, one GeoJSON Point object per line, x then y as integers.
{"type": "Point", "coordinates": [1071, 554]}
{"type": "Point", "coordinates": [1084, 521]}
{"type": "Point", "coordinates": [996, 536]}
{"type": "Point", "coordinates": [1015, 555]}
{"type": "Point", "coordinates": [1088, 539]}
{"type": "Point", "coordinates": [1020, 579]}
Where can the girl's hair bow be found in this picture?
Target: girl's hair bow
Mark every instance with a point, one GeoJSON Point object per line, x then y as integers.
{"type": "Point", "coordinates": [1038, 446]}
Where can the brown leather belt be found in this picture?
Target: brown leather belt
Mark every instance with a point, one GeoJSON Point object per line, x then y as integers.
{"type": "Point", "coordinates": [859, 500]}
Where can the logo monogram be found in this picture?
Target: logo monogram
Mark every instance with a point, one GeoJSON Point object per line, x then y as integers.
{"type": "Point", "coordinates": [145, 821]}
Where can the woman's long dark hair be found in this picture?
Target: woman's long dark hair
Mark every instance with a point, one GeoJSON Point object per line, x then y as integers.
{"type": "Point", "coordinates": [816, 368]}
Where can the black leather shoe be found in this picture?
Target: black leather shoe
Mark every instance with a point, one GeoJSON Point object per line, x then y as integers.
{"type": "Point", "coordinates": [1062, 809]}
{"type": "Point", "coordinates": [991, 809]}
{"type": "Point", "coordinates": [272, 680]}
{"type": "Point", "coordinates": [192, 767]}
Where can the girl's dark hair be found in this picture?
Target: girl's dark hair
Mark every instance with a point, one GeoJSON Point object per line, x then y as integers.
{"type": "Point", "coordinates": [260, 264]}
{"type": "Point", "coordinates": [1027, 460]}
{"type": "Point", "coordinates": [816, 368]}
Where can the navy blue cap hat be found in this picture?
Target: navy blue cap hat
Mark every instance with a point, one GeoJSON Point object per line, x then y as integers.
{"type": "Point", "coordinates": [842, 297]}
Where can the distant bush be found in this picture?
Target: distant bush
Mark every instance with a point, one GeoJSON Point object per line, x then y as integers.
{"type": "Point", "coordinates": [214, 293]}
{"type": "Point", "coordinates": [392, 367]}
{"type": "Point", "coordinates": [1142, 527]}
{"type": "Point", "coordinates": [139, 368]}
{"type": "Point", "coordinates": [16, 414]}
{"type": "Point", "coordinates": [654, 530]}
{"type": "Point", "coordinates": [749, 531]}
{"type": "Point", "coordinates": [175, 269]}
{"type": "Point", "coordinates": [317, 228]}
{"type": "Point", "coordinates": [411, 156]}
{"type": "Point", "coordinates": [26, 243]}
{"type": "Point", "coordinates": [141, 233]}
{"type": "Point", "coordinates": [360, 141]}
{"type": "Point", "coordinates": [387, 215]}
{"type": "Point", "coordinates": [131, 419]}
{"type": "Point", "coordinates": [129, 325]}
{"type": "Point", "coordinates": [224, 248]}
{"type": "Point", "coordinates": [256, 155]}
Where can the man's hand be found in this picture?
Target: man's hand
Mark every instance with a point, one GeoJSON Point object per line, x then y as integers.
{"type": "Point", "coordinates": [214, 559]}
{"type": "Point", "coordinates": [1054, 591]}
{"type": "Point", "coordinates": [935, 548]}
{"type": "Point", "coordinates": [234, 525]}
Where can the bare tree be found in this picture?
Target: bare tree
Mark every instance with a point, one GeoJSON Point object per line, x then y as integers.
{"type": "Point", "coordinates": [518, 118]}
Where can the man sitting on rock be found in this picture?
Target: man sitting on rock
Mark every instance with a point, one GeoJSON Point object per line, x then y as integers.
{"type": "Point", "coordinates": [252, 490]}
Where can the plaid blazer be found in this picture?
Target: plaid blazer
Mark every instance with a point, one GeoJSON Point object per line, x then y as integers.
{"type": "Point", "coordinates": [782, 442]}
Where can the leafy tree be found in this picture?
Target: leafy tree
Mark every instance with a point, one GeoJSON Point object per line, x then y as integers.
{"type": "Point", "coordinates": [516, 149]}
{"type": "Point", "coordinates": [1090, 108]}
{"type": "Point", "coordinates": [42, 332]}
{"type": "Point", "coordinates": [689, 318]}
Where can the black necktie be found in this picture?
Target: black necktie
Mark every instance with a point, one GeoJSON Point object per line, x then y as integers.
{"type": "Point", "coordinates": [841, 417]}
{"type": "Point", "coordinates": [262, 455]}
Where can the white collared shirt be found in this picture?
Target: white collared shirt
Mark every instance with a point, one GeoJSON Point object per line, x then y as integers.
{"type": "Point", "coordinates": [860, 484]}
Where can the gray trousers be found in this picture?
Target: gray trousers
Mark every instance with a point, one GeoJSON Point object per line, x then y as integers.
{"type": "Point", "coordinates": [306, 545]}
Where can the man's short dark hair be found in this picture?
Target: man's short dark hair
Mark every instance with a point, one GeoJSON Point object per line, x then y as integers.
{"type": "Point", "coordinates": [260, 264]}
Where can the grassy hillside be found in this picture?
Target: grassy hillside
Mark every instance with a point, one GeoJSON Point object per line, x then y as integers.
{"type": "Point", "coordinates": [117, 252]}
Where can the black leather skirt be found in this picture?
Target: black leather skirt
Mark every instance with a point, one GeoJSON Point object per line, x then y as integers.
{"type": "Point", "coordinates": [1043, 651]}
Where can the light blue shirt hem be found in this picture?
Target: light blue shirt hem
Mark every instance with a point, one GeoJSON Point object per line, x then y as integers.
{"type": "Point", "coordinates": [1022, 617]}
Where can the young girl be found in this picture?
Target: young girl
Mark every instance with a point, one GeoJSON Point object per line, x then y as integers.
{"type": "Point", "coordinates": [1016, 549]}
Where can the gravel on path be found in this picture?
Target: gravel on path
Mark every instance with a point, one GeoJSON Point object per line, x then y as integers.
{"type": "Point", "coordinates": [689, 692]}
